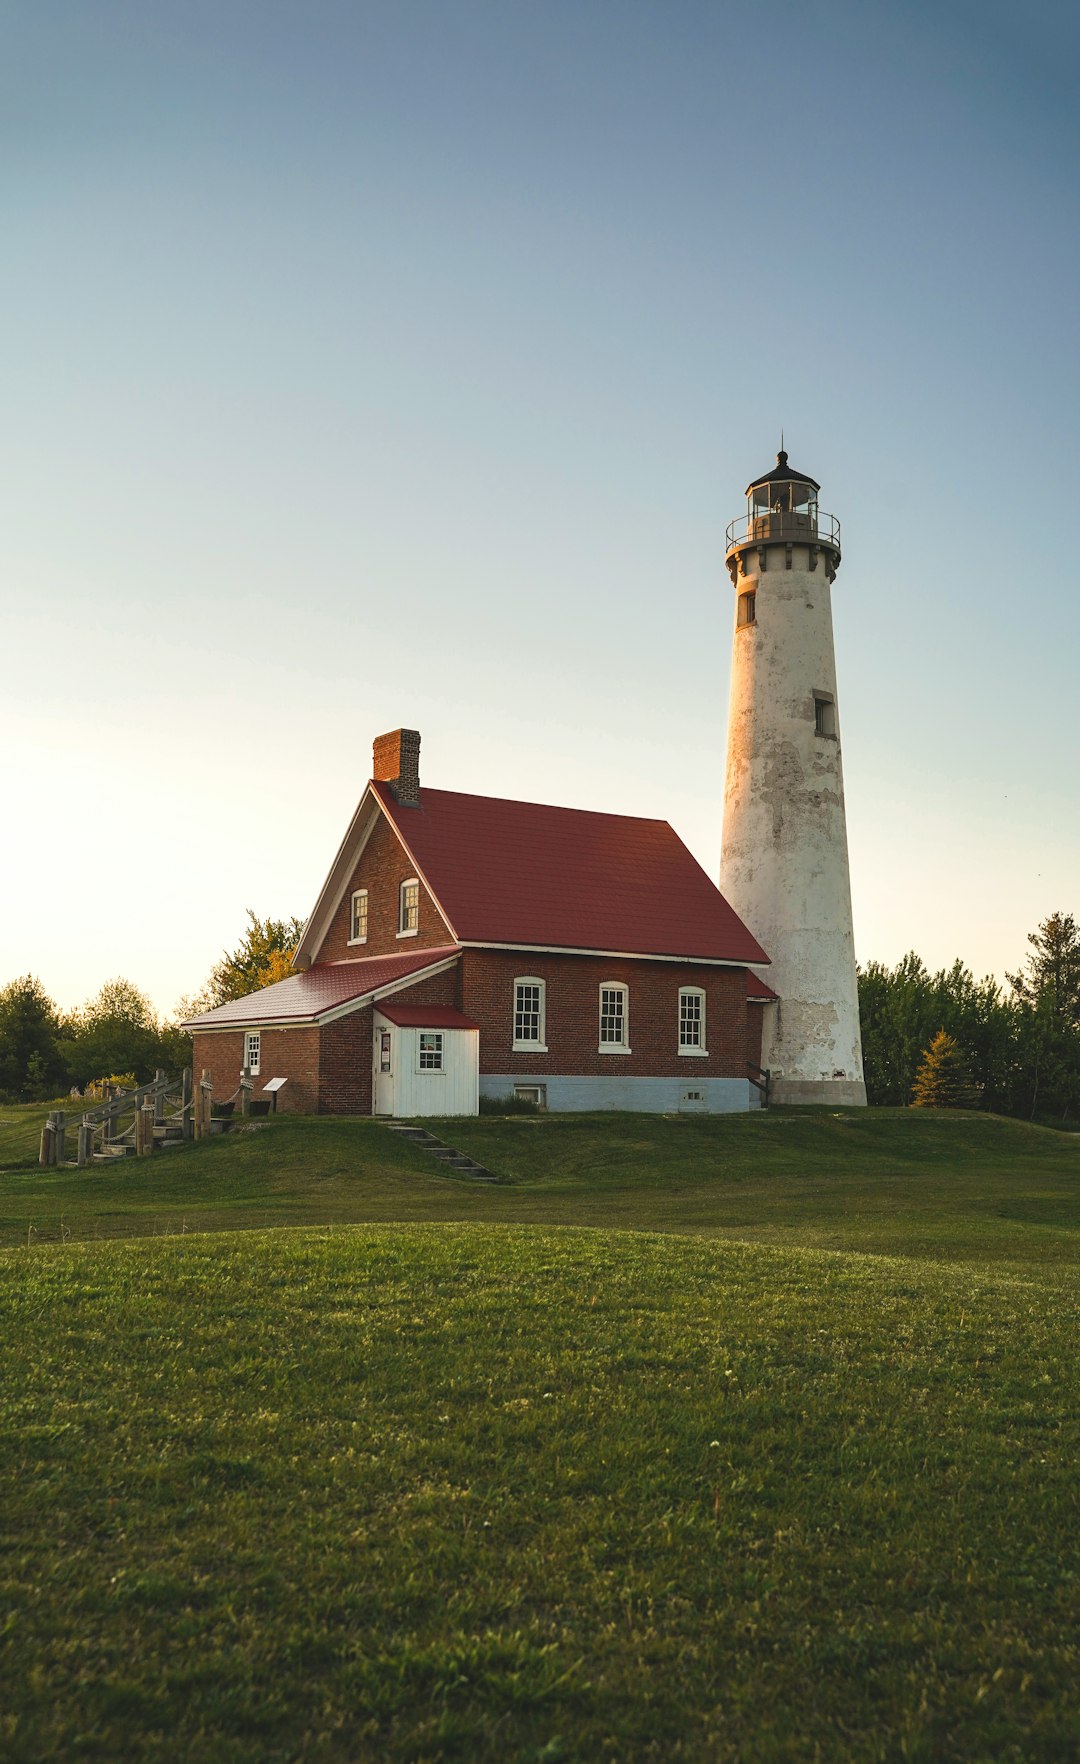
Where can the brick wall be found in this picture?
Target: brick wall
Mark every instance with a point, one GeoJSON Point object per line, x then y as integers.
{"type": "Point", "coordinates": [329, 1069]}
{"type": "Point", "coordinates": [382, 868]}
{"type": "Point", "coordinates": [283, 1053]}
{"type": "Point", "coordinates": [345, 1065]}
{"type": "Point", "coordinates": [572, 1029]}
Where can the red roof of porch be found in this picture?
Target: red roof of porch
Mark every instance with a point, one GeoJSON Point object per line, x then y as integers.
{"type": "Point", "coordinates": [311, 994]}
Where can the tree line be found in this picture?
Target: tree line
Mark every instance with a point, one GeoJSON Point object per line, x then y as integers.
{"type": "Point", "coordinates": [45, 1052]}
{"type": "Point", "coordinates": [1017, 1051]}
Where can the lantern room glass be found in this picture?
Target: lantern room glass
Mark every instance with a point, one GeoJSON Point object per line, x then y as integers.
{"type": "Point", "coordinates": [781, 506]}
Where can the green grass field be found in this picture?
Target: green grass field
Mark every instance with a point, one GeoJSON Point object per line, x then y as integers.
{"type": "Point", "coordinates": [973, 1188]}
{"type": "Point", "coordinates": [776, 1459]}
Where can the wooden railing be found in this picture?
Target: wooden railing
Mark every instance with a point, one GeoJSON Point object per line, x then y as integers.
{"type": "Point", "coordinates": [760, 1076]}
{"type": "Point", "coordinates": [130, 1119]}
{"type": "Point", "coordinates": [136, 1120]}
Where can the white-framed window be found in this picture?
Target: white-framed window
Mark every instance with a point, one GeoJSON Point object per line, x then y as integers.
{"type": "Point", "coordinates": [530, 1009]}
{"type": "Point", "coordinates": [532, 1093]}
{"type": "Point", "coordinates": [429, 1051]}
{"type": "Point", "coordinates": [409, 908]}
{"type": "Point", "coordinates": [692, 1020]}
{"type": "Point", "coordinates": [252, 1044]}
{"type": "Point", "coordinates": [614, 1017]}
{"type": "Point", "coordinates": [358, 917]}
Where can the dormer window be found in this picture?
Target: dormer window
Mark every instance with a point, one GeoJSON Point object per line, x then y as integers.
{"type": "Point", "coordinates": [358, 917]}
{"type": "Point", "coordinates": [409, 908]}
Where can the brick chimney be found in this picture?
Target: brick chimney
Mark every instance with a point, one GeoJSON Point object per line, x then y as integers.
{"type": "Point", "coordinates": [396, 761]}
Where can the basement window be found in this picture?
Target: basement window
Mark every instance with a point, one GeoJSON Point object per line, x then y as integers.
{"type": "Point", "coordinates": [747, 610]}
{"type": "Point", "coordinates": [824, 714]}
{"type": "Point", "coordinates": [252, 1042]}
{"type": "Point", "coordinates": [532, 1093]}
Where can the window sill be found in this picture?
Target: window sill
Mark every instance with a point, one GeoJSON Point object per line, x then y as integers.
{"type": "Point", "coordinates": [411, 933]}
{"type": "Point", "coordinates": [610, 1049]}
{"type": "Point", "coordinates": [353, 941]}
{"type": "Point", "coordinates": [528, 1047]}
{"type": "Point", "coordinates": [693, 1053]}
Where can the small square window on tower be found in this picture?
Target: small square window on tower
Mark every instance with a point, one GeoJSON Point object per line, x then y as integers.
{"type": "Point", "coordinates": [747, 610]}
{"type": "Point", "coordinates": [824, 714]}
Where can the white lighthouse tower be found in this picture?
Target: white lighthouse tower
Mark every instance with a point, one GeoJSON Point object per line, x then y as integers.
{"type": "Point", "coordinates": [785, 859]}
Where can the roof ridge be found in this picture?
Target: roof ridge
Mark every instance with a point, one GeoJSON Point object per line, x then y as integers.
{"type": "Point", "coordinates": [560, 808]}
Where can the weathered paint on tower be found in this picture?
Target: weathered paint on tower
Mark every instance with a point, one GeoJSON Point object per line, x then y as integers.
{"type": "Point", "coordinates": [785, 860]}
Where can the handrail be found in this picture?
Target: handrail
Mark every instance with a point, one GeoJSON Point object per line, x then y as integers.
{"type": "Point", "coordinates": [761, 528]}
{"type": "Point", "coordinates": [128, 1099]}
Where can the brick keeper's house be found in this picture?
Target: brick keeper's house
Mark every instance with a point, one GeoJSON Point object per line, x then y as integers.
{"type": "Point", "coordinates": [466, 946]}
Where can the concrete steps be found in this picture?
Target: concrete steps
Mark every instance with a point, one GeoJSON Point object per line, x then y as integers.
{"type": "Point", "coordinates": [445, 1155]}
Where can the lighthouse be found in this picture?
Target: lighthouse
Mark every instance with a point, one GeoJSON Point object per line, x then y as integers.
{"type": "Point", "coordinates": [785, 861]}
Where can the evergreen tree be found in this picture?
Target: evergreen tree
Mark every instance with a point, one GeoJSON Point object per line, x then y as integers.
{"type": "Point", "coordinates": [944, 1079]}
{"type": "Point", "coordinates": [1047, 991]}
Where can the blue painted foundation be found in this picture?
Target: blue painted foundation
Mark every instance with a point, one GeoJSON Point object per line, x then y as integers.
{"type": "Point", "coordinates": [655, 1096]}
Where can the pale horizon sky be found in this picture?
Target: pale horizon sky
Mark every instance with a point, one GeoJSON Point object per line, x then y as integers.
{"type": "Point", "coordinates": [372, 366]}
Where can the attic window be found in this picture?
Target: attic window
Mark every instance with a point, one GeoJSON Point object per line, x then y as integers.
{"type": "Point", "coordinates": [747, 610]}
{"type": "Point", "coordinates": [358, 917]}
{"type": "Point", "coordinates": [409, 908]}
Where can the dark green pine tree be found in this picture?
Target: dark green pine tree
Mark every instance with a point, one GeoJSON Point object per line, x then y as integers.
{"type": "Point", "coordinates": [944, 1079]}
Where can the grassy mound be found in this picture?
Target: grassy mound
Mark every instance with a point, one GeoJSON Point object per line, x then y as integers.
{"type": "Point", "coordinates": [965, 1187]}
{"type": "Point", "coordinates": [426, 1493]}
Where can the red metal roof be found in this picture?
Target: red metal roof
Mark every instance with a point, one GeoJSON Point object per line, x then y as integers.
{"type": "Point", "coordinates": [423, 1016]}
{"type": "Point", "coordinates": [525, 873]}
{"type": "Point", "coordinates": [756, 990]}
{"type": "Point", "coordinates": [309, 995]}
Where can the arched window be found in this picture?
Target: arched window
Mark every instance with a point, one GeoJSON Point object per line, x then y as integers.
{"type": "Point", "coordinates": [692, 1020]}
{"type": "Point", "coordinates": [409, 908]}
{"type": "Point", "coordinates": [614, 1017]}
{"type": "Point", "coordinates": [358, 917]}
{"type": "Point", "coordinates": [530, 1011]}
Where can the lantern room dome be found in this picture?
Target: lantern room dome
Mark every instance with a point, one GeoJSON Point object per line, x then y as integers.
{"type": "Point", "coordinates": [782, 473]}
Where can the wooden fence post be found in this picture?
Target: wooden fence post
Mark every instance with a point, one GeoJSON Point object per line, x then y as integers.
{"type": "Point", "coordinates": [245, 1090]}
{"type": "Point", "coordinates": [144, 1130]}
{"type": "Point", "coordinates": [59, 1129]}
{"type": "Point", "coordinates": [203, 1102]}
{"type": "Point", "coordinates": [46, 1154]}
{"type": "Point", "coordinates": [108, 1125]}
{"type": "Point", "coordinates": [185, 1104]}
{"type": "Point", "coordinates": [159, 1099]}
{"type": "Point", "coordinates": [85, 1154]}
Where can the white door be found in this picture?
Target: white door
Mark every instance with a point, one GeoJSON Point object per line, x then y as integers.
{"type": "Point", "coordinates": [383, 1085]}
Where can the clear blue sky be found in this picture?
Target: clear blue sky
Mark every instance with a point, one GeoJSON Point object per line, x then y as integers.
{"type": "Point", "coordinates": [402, 364]}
